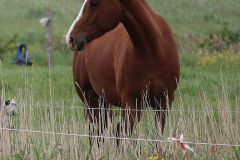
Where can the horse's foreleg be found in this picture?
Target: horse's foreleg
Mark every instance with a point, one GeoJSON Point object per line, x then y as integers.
{"type": "Point", "coordinates": [130, 116]}
{"type": "Point", "coordinates": [162, 111]}
{"type": "Point", "coordinates": [100, 116]}
{"type": "Point", "coordinates": [161, 115]}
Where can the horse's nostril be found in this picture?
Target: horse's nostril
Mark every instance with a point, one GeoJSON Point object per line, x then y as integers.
{"type": "Point", "coordinates": [71, 39]}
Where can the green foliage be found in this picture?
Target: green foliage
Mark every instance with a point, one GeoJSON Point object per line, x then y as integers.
{"type": "Point", "coordinates": [229, 35]}
{"type": "Point", "coordinates": [209, 17]}
{"type": "Point", "coordinates": [221, 41]}
{"type": "Point", "coordinates": [38, 77]}
{"type": "Point", "coordinates": [35, 13]}
{"type": "Point", "coordinates": [59, 45]}
{"type": "Point", "coordinates": [8, 46]}
{"type": "Point", "coordinates": [197, 18]}
{"type": "Point", "coordinates": [90, 149]}
{"type": "Point", "coordinates": [188, 59]}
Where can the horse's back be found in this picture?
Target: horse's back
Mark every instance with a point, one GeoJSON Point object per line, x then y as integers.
{"type": "Point", "coordinates": [168, 42]}
{"type": "Point", "coordinates": [169, 49]}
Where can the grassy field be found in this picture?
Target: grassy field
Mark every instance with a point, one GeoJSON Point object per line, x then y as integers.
{"type": "Point", "coordinates": [43, 93]}
{"type": "Point", "coordinates": [209, 82]}
{"type": "Point", "coordinates": [185, 17]}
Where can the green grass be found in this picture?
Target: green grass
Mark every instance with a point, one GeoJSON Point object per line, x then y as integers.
{"type": "Point", "coordinates": [194, 17]}
{"type": "Point", "coordinates": [201, 88]}
{"type": "Point", "coordinates": [41, 81]}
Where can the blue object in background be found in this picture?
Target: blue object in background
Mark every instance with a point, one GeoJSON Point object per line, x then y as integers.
{"type": "Point", "coordinates": [21, 57]}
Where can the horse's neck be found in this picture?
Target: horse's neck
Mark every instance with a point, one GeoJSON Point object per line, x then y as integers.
{"type": "Point", "coordinates": [140, 23]}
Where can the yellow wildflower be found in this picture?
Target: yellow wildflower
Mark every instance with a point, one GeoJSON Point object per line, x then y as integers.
{"type": "Point", "coordinates": [220, 55]}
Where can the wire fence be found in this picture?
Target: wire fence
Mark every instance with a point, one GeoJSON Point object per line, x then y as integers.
{"type": "Point", "coordinates": [142, 110]}
{"type": "Point", "coordinates": [119, 138]}
{"type": "Point", "coordinates": [120, 109]}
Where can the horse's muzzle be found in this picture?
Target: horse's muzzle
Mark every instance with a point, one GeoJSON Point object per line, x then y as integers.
{"type": "Point", "coordinates": [75, 46]}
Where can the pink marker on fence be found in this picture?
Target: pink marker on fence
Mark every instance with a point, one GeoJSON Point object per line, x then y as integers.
{"type": "Point", "coordinates": [184, 147]}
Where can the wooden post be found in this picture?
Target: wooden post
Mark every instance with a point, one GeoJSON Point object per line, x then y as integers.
{"type": "Point", "coordinates": [49, 38]}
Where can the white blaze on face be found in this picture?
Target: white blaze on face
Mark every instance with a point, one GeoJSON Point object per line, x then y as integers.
{"type": "Point", "coordinates": [76, 20]}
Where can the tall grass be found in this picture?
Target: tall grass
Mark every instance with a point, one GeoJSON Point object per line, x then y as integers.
{"type": "Point", "coordinates": [206, 107]}
{"type": "Point", "coordinates": [214, 123]}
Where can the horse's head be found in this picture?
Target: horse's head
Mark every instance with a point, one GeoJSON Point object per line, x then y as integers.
{"type": "Point", "coordinates": [95, 18]}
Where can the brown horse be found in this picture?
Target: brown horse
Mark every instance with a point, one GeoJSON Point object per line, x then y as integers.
{"type": "Point", "coordinates": [123, 47]}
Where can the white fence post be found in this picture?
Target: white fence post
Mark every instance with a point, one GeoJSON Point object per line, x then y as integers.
{"type": "Point", "coordinates": [49, 38]}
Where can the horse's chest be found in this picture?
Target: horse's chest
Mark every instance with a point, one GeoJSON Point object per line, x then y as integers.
{"type": "Point", "coordinates": [102, 78]}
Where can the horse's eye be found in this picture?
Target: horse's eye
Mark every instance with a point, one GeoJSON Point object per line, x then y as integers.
{"type": "Point", "coordinates": [94, 4]}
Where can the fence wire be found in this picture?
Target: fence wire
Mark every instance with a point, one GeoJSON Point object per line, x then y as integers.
{"type": "Point", "coordinates": [128, 109]}
{"type": "Point", "coordinates": [119, 138]}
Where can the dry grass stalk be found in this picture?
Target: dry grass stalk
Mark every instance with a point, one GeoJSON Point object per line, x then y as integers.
{"type": "Point", "coordinates": [221, 127]}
